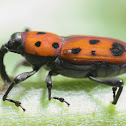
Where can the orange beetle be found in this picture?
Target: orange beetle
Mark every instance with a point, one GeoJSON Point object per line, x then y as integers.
{"type": "Point", "coordinates": [73, 56]}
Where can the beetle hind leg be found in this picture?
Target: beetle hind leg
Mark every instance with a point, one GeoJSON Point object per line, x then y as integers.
{"type": "Point", "coordinates": [49, 86]}
{"type": "Point", "coordinates": [115, 83]}
{"type": "Point", "coordinates": [115, 99]}
{"type": "Point", "coordinates": [114, 89]}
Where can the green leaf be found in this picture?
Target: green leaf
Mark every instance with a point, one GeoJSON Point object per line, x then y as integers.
{"type": "Point", "coordinates": [90, 103]}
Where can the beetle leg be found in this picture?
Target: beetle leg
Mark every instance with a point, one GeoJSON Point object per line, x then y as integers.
{"type": "Point", "coordinates": [49, 86]}
{"type": "Point", "coordinates": [114, 91]}
{"type": "Point", "coordinates": [17, 80]}
{"type": "Point", "coordinates": [114, 82]}
{"type": "Point", "coordinates": [61, 100]}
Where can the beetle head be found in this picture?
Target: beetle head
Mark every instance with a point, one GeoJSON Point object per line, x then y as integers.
{"type": "Point", "coordinates": [15, 44]}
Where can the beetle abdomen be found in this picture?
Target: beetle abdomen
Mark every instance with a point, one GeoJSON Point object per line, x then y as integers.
{"type": "Point", "coordinates": [88, 49]}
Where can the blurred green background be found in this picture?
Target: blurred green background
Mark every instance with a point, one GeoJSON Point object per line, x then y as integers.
{"type": "Point", "coordinates": [90, 102]}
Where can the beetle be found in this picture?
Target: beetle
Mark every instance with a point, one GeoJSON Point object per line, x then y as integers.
{"type": "Point", "coordinates": [75, 56]}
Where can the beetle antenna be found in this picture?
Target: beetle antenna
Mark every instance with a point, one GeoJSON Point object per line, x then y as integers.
{"type": "Point", "coordinates": [27, 29]}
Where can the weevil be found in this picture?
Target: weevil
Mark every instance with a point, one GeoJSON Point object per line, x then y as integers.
{"type": "Point", "coordinates": [75, 56]}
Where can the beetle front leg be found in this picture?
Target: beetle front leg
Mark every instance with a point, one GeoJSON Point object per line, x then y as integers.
{"type": "Point", "coordinates": [49, 86]}
{"type": "Point", "coordinates": [114, 82]}
{"type": "Point", "coordinates": [17, 80]}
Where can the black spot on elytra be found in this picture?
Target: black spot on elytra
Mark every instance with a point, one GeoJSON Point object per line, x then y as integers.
{"type": "Point", "coordinates": [117, 49]}
{"type": "Point", "coordinates": [55, 45]}
{"type": "Point", "coordinates": [93, 53]}
{"type": "Point", "coordinates": [76, 50]}
{"type": "Point", "coordinates": [41, 33]}
{"type": "Point", "coordinates": [38, 43]}
{"type": "Point", "coordinates": [94, 41]}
